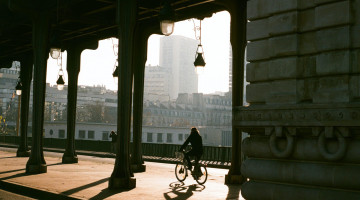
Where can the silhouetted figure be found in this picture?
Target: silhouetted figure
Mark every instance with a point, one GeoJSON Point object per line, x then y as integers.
{"type": "Point", "coordinates": [113, 137]}
{"type": "Point", "coordinates": [196, 148]}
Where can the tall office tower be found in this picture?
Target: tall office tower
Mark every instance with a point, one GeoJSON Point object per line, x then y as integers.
{"type": "Point", "coordinates": [177, 55]}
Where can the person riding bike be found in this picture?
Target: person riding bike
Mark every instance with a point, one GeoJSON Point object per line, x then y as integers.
{"type": "Point", "coordinates": [196, 150]}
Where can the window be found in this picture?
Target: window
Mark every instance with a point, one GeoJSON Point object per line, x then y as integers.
{"type": "Point", "coordinates": [149, 137]}
{"type": "Point", "coordinates": [91, 134]}
{"type": "Point", "coordinates": [169, 138]}
{"type": "Point", "coordinates": [105, 135]}
{"type": "Point", "coordinates": [51, 132]}
{"type": "Point", "coordinates": [81, 134]}
{"type": "Point", "coordinates": [61, 133]}
{"type": "Point", "coordinates": [180, 137]}
{"type": "Point", "coordinates": [226, 138]}
{"type": "Point", "coordinates": [159, 137]}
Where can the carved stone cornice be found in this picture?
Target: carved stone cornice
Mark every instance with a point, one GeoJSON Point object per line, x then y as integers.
{"type": "Point", "coordinates": [300, 115]}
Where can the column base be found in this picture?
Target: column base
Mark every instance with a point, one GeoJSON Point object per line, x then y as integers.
{"type": "Point", "coordinates": [69, 159]}
{"type": "Point", "coordinates": [36, 169]}
{"type": "Point", "coordinates": [138, 168]}
{"type": "Point", "coordinates": [22, 153]}
{"type": "Point", "coordinates": [120, 183]}
{"type": "Point", "coordinates": [234, 179]}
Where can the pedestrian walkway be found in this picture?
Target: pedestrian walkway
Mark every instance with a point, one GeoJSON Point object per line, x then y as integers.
{"type": "Point", "coordinates": [88, 179]}
{"type": "Point", "coordinates": [215, 164]}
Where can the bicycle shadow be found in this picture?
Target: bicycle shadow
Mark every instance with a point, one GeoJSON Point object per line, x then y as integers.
{"type": "Point", "coordinates": [181, 191]}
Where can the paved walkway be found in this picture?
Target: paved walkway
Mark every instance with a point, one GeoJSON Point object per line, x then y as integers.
{"type": "Point", "coordinates": [88, 179]}
{"type": "Point", "coordinates": [215, 164]}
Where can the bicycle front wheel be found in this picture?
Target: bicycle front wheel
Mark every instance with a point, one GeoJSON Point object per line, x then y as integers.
{"type": "Point", "coordinates": [180, 172]}
{"type": "Point", "coordinates": [202, 177]}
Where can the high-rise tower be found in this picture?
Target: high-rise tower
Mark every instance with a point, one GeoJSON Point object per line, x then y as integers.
{"type": "Point", "coordinates": [177, 55]}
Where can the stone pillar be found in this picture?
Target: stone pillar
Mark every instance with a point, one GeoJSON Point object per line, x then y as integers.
{"type": "Point", "coordinates": [73, 69]}
{"type": "Point", "coordinates": [237, 11]}
{"type": "Point", "coordinates": [36, 162]}
{"type": "Point", "coordinates": [26, 76]}
{"type": "Point", "coordinates": [121, 176]}
{"type": "Point", "coordinates": [303, 117]}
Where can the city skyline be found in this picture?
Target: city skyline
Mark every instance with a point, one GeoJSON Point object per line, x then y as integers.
{"type": "Point", "coordinates": [97, 65]}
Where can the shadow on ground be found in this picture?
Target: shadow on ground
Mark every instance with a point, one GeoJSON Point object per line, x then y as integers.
{"type": "Point", "coordinates": [181, 191]}
{"type": "Point", "coordinates": [9, 157]}
{"type": "Point", "coordinates": [74, 190]}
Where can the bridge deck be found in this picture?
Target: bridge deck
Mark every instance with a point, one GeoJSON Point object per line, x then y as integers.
{"type": "Point", "coordinates": [88, 179]}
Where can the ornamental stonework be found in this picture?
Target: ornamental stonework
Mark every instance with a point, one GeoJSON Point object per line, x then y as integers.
{"type": "Point", "coordinates": [343, 115]}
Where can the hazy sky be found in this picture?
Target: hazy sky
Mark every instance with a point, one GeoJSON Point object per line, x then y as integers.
{"type": "Point", "coordinates": [97, 65]}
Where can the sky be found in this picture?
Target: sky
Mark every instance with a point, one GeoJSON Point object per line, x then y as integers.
{"type": "Point", "coordinates": [97, 65]}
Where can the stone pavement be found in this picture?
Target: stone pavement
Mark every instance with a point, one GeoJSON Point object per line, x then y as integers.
{"type": "Point", "coordinates": [215, 164]}
{"type": "Point", "coordinates": [88, 179]}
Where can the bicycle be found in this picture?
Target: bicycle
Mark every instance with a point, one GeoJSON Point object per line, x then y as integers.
{"type": "Point", "coordinates": [181, 170]}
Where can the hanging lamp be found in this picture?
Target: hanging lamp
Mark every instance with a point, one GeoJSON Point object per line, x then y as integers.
{"type": "Point", "coordinates": [167, 19]}
{"type": "Point", "coordinates": [18, 87]}
{"type": "Point", "coordinates": [60, 82]}
{"type": "Point", "coordinates": [199, 62]}
{"type": "Point", "coordinates": [55, 45]}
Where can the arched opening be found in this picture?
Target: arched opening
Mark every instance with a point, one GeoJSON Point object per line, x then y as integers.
{"type": "Point", "coordinates": [176, 98]}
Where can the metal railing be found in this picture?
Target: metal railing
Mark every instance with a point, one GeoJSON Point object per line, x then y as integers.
{"type": "Point", "coordinates": [211, 153]}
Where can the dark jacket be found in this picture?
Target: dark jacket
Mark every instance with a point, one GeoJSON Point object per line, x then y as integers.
{"type": "Point", "coordinates": [196, 143]}
{"type": "Point", "coordinates": [113, 136]}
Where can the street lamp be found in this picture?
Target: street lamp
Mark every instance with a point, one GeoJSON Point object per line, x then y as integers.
{"type": "Point", "coordinates": [55, 52]}
{"type": "Point", "coordinates": [199, 60]}
{"type": "Point", "coordinates": [18, 87]}
{"type": "Point", "coordinates": [60, 82]}
{"type": "Point", "coordinates": [55, 45]}
{"type": "Point", "coordinates": [199, 56]}
{"type": "Point", "coordinates": [115, 73]}
{"type": "Point", "coordinates": [167, 19]}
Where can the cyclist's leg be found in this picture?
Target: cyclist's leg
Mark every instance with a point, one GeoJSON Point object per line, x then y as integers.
{"type": "Point", "coordinates": [197, 166]}
{"type": "Point", "coordinates": [187, 157]}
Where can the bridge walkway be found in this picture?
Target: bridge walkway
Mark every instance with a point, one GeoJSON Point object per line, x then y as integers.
{"type": "Point", "coordinates": [88, 179]}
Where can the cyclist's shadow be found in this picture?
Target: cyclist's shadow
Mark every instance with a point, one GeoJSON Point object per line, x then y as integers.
{"type": "Point", "coordinates": [180, 191]}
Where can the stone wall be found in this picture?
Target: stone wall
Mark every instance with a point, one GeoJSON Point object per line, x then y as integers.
{"type": "Point", "coordinates": [304, 96]}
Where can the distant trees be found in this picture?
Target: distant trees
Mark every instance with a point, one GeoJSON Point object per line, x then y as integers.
{"type": "Point", "coordinates": [96, 112]}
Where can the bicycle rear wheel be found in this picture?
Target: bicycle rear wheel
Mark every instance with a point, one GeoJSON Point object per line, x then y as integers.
{"type": "Point", "coordinates": [201, 179]}
{"type": "Point", "coordinates": [180, 172]}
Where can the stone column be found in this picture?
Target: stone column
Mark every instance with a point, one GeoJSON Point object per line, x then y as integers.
{"type": "Point", "coordinates": [73, 69]}
{"type": "Point", "coordinates": [36, 162]}
{"type": "Point", "coordinates": [303, 117]}
{"type": "Point", "coordinates": [237, 11]}
{"type": "Point", "coordinates": [121, 176]}
{"type": "Point", "coordinates": [26, 76]}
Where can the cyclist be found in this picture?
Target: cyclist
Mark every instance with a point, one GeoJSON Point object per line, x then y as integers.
{"type": "Point", "coordinates": [196, 148]}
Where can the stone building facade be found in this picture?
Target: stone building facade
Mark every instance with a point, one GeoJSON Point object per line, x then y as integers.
{"type": "Point", "coordinates": [212, 136]}
{"type": "Point", "coordinates": [8, 100]}
{"type": "Point", "coordinates": [304, 112]}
